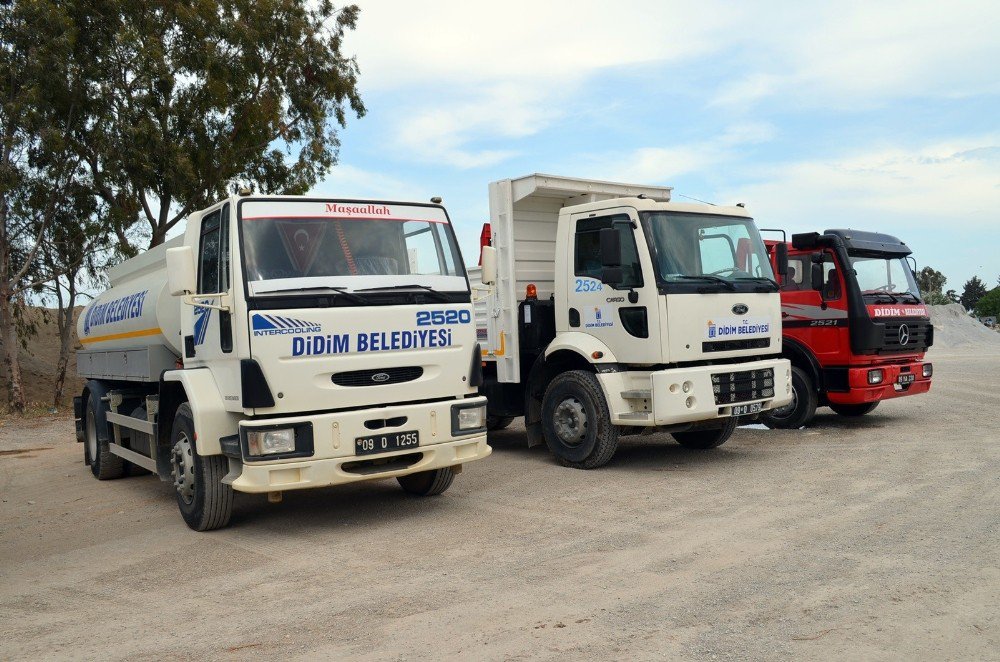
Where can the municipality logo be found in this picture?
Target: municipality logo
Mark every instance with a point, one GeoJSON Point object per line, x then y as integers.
{"type": "Point", "coordinates": [276, 325]}
{"type": "Point", "coordinates": [711, 329]}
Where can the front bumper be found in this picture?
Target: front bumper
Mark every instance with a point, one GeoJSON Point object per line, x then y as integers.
{"type": "Point", "coordinates": [334, 462]}
{"type": "Point", "coordinates": [686, 395]}
{"type": "Point", "coordinates": [862, 392]}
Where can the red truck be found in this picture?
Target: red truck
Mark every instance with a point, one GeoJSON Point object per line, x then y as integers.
{"type": "Point", "coordinates": [853, 324]}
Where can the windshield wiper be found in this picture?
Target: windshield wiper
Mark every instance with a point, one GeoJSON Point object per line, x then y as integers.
{"type": "Point", "coordinates": [715, 279]}
{"type": "Point", "coordinates": [343, 291]}
{"type": "Point", "coordinates": [440, 296]}
{"type": "Point", "coordinates": [763, 278]}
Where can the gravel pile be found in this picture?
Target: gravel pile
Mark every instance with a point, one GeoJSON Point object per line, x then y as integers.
{"type": "Point", "coordinates": [953, 328]}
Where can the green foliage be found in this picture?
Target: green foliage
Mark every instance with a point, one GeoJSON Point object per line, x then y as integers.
{"type": "Point", "coordinates": [989, 304]}
{"type": "Point", "coordinates": [936, 299]}
{"type": "Point", "coordinates": [930, 280]}
{"type": "Point", "coordinates": [185, 99]}
{"type": "Point", "coordinates": [974, 290]}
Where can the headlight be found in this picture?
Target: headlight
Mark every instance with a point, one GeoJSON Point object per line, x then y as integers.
{"type": "Point", "coordinates": [271, 442]}
{"type": "Point", "coordinates": [928, 370]}
{"type": "Point", "coordinates": [467, 419]}
{"type": "Point", "coordinates": [875, 376]}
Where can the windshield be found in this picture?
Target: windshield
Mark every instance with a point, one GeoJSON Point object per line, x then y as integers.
{"type": "Point", "coordinates": [304, 245]}
{"type": "Point", "coordinates": [877, 275]}
{"type": "Point", "coordinates": [706, 246]}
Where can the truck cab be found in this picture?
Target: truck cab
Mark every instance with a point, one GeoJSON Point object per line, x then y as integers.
{"type": "Point", "coordinates": [286, 343]}
{"type": "Point", "coordinates": [611, 310]}
{"type": "Point", "coordinates": [854, 326]}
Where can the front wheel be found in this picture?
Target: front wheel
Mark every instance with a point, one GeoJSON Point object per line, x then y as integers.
{"type": "Point", "coordinates": [428, 483]}
{"type": "Point", "coordinates": [854, 410]}
{"type": "Point", "coordinates": [705, 439]}
{"type": "Point", "coordinates": [576, 422]}
{"type": "Point", "coordinates": [800, 410]}
{"type": "Point", "coordinates": [205, 502]}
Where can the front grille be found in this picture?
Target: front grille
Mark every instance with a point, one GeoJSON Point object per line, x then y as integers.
{"type": "Point", "coordinates": [378, 377]}
{"type": "Point", "coordinates": [733, 345]}
{"type": "Point", "coordinates": [917, 336]}
{"type": "Point", "coordinates": [732, 387]}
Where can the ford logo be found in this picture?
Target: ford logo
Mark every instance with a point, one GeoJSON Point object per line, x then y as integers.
{"type": "Point", "coordinates": [380, 377]}
{"type": "Point", "coordinates": [740, 309]}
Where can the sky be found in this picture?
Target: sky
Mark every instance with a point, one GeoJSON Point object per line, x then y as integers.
{"type": "Point", "coordinates": [880, 116]}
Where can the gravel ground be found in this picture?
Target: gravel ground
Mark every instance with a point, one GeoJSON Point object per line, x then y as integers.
{"type": "Point", "coordinates": [874, 538]}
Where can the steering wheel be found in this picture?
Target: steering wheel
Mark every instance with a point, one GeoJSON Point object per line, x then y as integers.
{"type": "Point", "coordinates": [888, 287]}
{"type": "Point", "coordinates": [719, 272]}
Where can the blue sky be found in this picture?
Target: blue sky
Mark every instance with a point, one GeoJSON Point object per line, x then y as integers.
{"type": "Point", "coordinates": [873, 115]}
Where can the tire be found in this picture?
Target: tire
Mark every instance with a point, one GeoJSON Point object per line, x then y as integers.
{"type": "Point", "coordinates": [428, 483]}
{"type": "Point", "coordinates": [204, 501]}
{"type": "Point", "coordinates": [498, 422]}
{"type": "Point", "coordinates": [800, 410]}
{"type": "Point", "coordinates": [705, 439]}
{"type": "Point", "coordinates": [104, 464]}
{"type": "Point", "coordinates": [576, 422]}
{"type": "Point", "coordinates": [854, 410]}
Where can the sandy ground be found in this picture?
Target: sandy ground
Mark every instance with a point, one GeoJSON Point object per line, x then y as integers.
{"type": "Point", "coordinates": [854, 539]}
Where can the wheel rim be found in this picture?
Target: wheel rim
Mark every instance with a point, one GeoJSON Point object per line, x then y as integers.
{"type": "Point", "coordinates": [91, 436]}
{"type": "Point", "coordinates": [786, 411]}
{"type": "Point", "coordinates": [570, 421]}
{"type": "Point", "coordinates": [182, 461]}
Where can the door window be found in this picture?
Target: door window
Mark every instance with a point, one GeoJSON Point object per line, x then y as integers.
{"type": "Point", "coordinates": [213, 256]}
{"type": "Point", "coordinates": [587, 258]}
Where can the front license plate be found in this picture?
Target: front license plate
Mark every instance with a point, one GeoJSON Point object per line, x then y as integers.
{"type": "Point", "coordinates": [385, 443]}
{"type": "Point", "coordinates": [906, 379]}
{"type": "Point", "coordinates": [743, 410]}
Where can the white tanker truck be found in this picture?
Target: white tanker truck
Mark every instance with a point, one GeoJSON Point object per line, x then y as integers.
{"type": "Point", "coordinates": [285, 343]}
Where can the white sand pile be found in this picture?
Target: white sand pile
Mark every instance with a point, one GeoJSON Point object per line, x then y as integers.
{"type": "Point", "coordinates": [953, 328]}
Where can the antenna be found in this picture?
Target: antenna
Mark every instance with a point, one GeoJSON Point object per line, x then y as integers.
{"type": "Point", "coordinates": [704, 202]}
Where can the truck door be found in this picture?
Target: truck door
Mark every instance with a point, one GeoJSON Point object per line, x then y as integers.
{"type": "Point", "coordinates": [815, 318]}
{"type": "Point", "coordinates": [622, 315]}
{"type": "Point", "coordinates": [208, 333]}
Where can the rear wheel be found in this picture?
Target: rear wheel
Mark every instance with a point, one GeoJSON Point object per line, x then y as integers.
{"type": "Point", "coordinates": [428, 483]}
{"type": "Point", "coordinates": [498, 422]}
{"type": "Point", "coordinates": [800, 410]}
{"type": "Point", "coordinates": [854, 410]}
{"type": "Point", "coordinates": [104, 464]}
{"type": "Point", "coordinates": [576, 423]}
{"type": "Point", "coordinates": [204, 501]}
{"type": "Point", "coordinates": [705, 439]}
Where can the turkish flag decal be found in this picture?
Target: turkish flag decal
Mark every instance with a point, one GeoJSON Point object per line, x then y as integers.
{"type": "Point", "coordinates": [302, 240]}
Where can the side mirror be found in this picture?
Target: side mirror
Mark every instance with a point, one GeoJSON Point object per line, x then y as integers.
{"type": "Point", "coordinates": [180, 271]}
{"type": "Point", "coordinates": [611, 248]}
{"type": "Point", "coordinates": [781, 257]}
{"type": "Point", "coordinates": [489, 265]}
{"type": "Point", "coordinates": [816, 276]}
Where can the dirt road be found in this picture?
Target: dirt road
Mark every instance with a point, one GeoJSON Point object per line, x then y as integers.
{"type": "Point", "coordinates": [871, 538]}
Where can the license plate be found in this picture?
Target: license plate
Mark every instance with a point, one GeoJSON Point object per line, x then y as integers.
{"type": "Point", "coordinates": [906, 379]}
{"type": "Point", "coordinates": [385, 443]}
{"type": "Point", "coordinates": [743, 410]}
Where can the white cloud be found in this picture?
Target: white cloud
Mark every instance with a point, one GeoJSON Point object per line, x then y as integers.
{"type": "Point", "coordinates": [351, 182]}
{"type": "Point", "coordinates": [955, 182]}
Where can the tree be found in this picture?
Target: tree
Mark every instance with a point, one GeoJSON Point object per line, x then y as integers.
{"type": "Point", "coordinates": [930, 280]}
{"type": "Point", "coordinates": [989, 305]}
{"type": "Point", "coordinates": [953, 296]}
{"type": "Point", "coordinates": [974, 290]}
{"type": "Point", "coordinates": [35, 166]}
{"type": "Point", "coordinates": [185, 99]}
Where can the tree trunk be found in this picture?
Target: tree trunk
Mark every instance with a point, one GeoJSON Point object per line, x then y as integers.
{"type": "Point", "coordinates": [11, 364]}
{"type": "Point", "coordinates": [65, 325]}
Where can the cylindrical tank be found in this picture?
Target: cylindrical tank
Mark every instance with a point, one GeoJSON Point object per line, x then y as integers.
{"type": "Point", "coordinates": [138, 311]}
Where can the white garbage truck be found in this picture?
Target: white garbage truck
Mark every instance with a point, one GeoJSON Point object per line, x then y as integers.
{"type": "Point", "coordinates": [285, 343]}
{"type": "Point", "coordinates": [610, 309]}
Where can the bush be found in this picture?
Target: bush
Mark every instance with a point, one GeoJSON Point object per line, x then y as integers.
{"type": "Point", "coordinates": [989, 305]}
{"type": "Point", "coordinates": [936, 299]}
